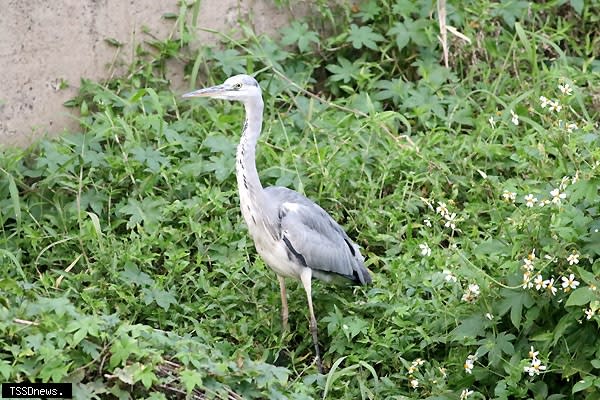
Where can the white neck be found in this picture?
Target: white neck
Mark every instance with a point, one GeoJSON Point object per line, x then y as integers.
{"type": "Point", "coordinates": [249, 185]}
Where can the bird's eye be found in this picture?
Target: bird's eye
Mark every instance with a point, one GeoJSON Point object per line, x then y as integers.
{"type": "Point", "coordinates": [237, 86]}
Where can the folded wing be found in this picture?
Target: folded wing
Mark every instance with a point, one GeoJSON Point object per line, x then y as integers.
{"type": "Point", "coordinates": [315, 240]}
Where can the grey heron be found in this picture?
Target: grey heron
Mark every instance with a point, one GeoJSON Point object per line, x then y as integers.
{"type": "Point", "coordinates": [295, 237]}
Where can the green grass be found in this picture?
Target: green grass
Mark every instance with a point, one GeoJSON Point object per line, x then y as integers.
{"type": "Point", "coordinates": [127, 269]}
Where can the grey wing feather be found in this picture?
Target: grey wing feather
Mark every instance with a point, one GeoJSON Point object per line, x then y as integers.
{"type": "Point", "coordinates": [314, 238]}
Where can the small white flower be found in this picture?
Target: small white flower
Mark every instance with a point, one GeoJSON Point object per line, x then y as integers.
{"type": "Point", "coordinates": [545, 102]}
{"type": "Point", "coordinates": [554, 106]}
{"type": "Point", "coordinates": [569, 283]}
{"type": "Point", "coordinates": [415, 366]}
{"type": "Point", "coordinates": [543, 203]}
{"type": "Point", "coordinates": [489, 316]}
{"type": "Point", "coordinates": [589, 313]}
{"type": "Point", "coordinates": [536, 367]}
{"type": "Point", "coordinates": [465, 394]}
{"type": "Point", "coordinates": [548, 284]}
{"type": "Point", "coordinates": [527, 284]}
{"type": "Point", "coordinates": [492, 122]}
{"type": "Point", "coordinates": [575, 179]}
{"type": "Point", "coordinates": [414, 383]}
{"type": "Point", "coordinates": [471, 293]}
{"type": "Point", "coordinates": [514, 118]}
{"type": "Point", "coordinates": [448, 276]}
{"type": "Point", "coordinates": [571, 127]}
{"type": "Point", "coordinates": [530, 200]}
{"type": "Point", "coordinates": [557, 196]}
{"type": "Point", "coordinates": [509, 196]}
{"type": "Point", "coordinates": [539, 282]}
{"type": "Point", "coordinates": [450, 222]}
{"type": "Point", "coordinates": [441, 209]}
{"type": "Point", "coordinates": [425, 250]}
{"type": "Point", "coordinates": [528, 265]}
{"type": "Point", "coordinates": [565, 89]}
{"type": "Point", "coordinates": [469, 364]}
{"type": "Point", "coordinates": [532, 353]}
{"type": "Point", "coordinates": [427, 223]}
{"type": "Point", "coordinates": [573, 258]}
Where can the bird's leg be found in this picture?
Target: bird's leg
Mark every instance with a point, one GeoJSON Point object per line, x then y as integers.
{"type": "Point", "coordinates": [284, 305]}
{"type": "Point", "coordinates": [306, 278]}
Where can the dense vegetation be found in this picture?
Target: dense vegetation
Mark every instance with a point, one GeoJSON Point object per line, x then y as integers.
{"type": "Point", "coordinates": [473, 190]}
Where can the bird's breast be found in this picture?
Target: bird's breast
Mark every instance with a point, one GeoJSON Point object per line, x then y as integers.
{"type": "Point", "coordinates": [275, 256]}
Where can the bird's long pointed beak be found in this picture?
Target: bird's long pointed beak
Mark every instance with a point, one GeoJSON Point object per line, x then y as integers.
{"type": "Point", "coordinates": [207, 92]}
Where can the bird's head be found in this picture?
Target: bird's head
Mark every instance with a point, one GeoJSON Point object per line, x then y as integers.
{"type": "Point", "coordinates": [239, 87]}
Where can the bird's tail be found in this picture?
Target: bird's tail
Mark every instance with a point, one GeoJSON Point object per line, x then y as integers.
{"type": "Point", "coordinates": [361, 273]}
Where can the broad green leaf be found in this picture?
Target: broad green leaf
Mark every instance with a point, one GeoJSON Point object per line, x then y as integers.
{"type": "Point", "coordinates": [221, 166]}
{"type": "Point", "coordinates": [511, 10]}
{"type": "Point", "coordinates": [55, 370]}
{"type": "Point", "coordinates": [492, 247]}
{"type": "Point", "coordinates": [400, 32]}
{"type": "Point", "coordinates": [153, 158]}
{"type": "Point", "coordinates": [131, 274]}
{"type": "Point", "coordinates": [471, 327]}
{"type": "Point", "coordinates": [299, 34]}
{"type": "Point", "coordinates": [344, 71]}
{"type": "Point", "coordinates": [59, 305]}
{"type": "Point", "coordinates": [565, 323]}
{"type": "Point", "coordinates": [230, 61]}
{"type": "Point", "coordinates": [369, 10]}
{"type": "Point", "coordinates": [582, 385]}
{"type": "Point", "coordinates": [514, 301]}
{"type": "Point", "coordinates": [147, 212]}
{"type": "Point", "coordinates": [581, 296]}
{"type": "Point", "coordinates": [405, 8]}
{"type": "Point", "coordinates": [395, 89]}
{"type": "Point", "coordinates": [363, 37]}
{"type": "Point", "coordinates": [164, 299]}
{"type": "Point", "coordinates": [191, 379]}
{"type": "Point", "coordinates": [5, 369]}
{"type": "Point", "coordinates": [121, 349]}
{"type": "Point", "coordinates": [220, 144]}
{"type": "Point", "coordinates": [577, 5]}
{"type": "Point", "coordinates": [410, 30]}
{"type": "Point", "coordinates": [356, 326]}
{"type": "Point", "coordinates": [145, 375]}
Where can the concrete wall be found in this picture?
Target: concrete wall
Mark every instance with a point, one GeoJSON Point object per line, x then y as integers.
{"type": "Point", "coordinates": [45, 42]}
